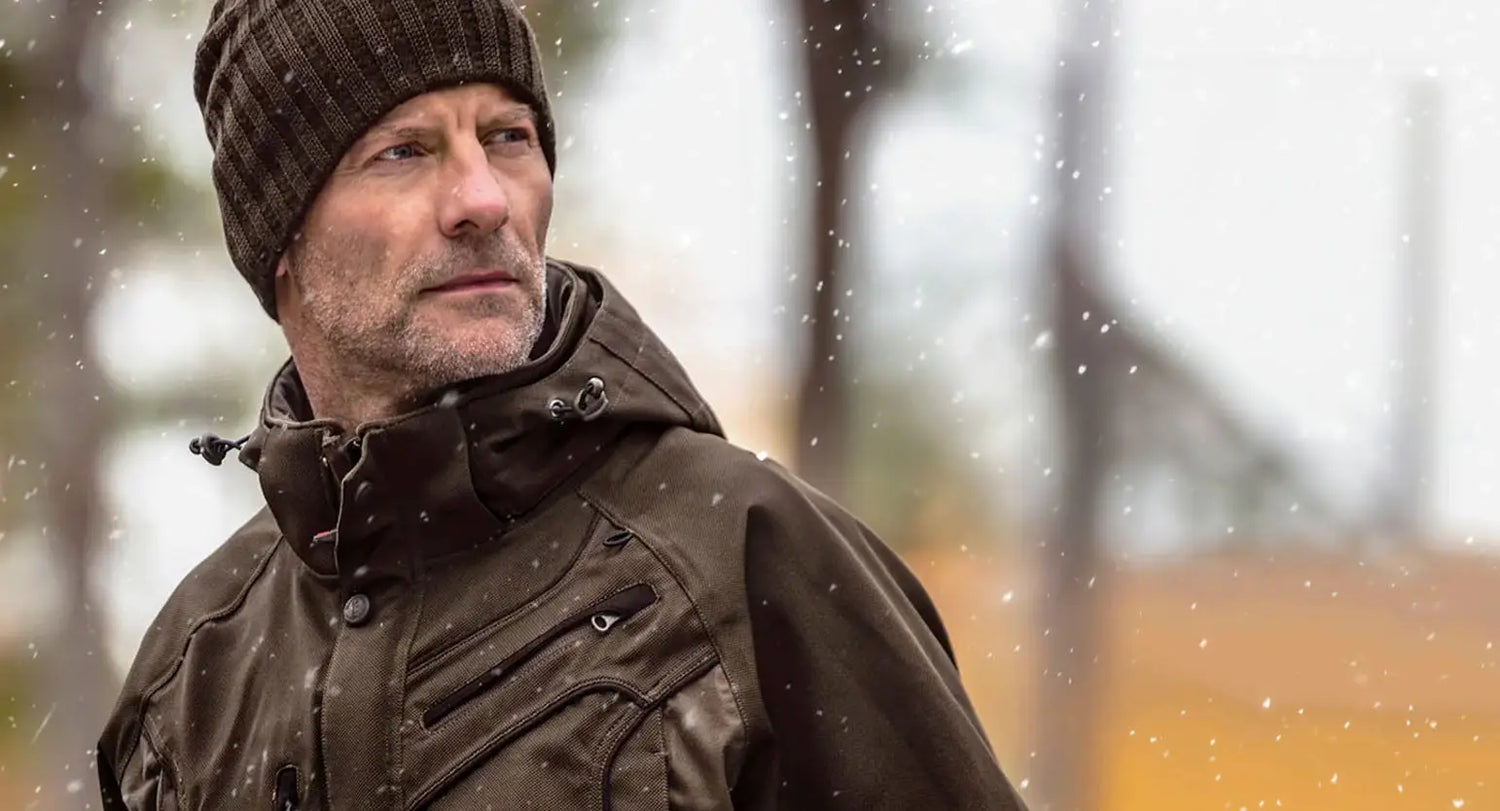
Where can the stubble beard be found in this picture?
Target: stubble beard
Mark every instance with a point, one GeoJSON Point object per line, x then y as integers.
{"type": "Point", "coordinates": [385, 344]}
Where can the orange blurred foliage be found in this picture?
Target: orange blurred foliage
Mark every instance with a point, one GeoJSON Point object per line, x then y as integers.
{"type": "Point", "coordinates": [1244, 683]}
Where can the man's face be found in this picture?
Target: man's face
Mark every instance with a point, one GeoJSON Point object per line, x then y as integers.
{"type": "Point", "coordinates": [420, 262]}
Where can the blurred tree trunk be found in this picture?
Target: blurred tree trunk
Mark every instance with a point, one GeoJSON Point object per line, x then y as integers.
{"type": "Point", "coordinates": [1071, 609]}
{"type": "Point", "coordinates": [1410, 493]}
{"type": "Point", "coordinates": [846, 56]}
{"type": "Point", "coordinates": [71, 395]}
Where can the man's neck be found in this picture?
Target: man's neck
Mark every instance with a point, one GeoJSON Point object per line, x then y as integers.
{"type": "Point", "coordinates": [352, 399]}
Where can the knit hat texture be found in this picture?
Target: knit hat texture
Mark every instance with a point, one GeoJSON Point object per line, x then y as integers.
{"type": "Point", "coordinates": [287, 86]}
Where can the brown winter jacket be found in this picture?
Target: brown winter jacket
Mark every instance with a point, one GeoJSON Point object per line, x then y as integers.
{"type": "Point", "coordinates": [556, 589]}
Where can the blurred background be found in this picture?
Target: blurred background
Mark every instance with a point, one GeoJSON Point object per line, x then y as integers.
{"type": "Point", "coordinates": [1159, 338]}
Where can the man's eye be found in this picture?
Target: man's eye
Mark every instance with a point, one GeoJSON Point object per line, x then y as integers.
{"type": "Point", "coordinates": [397, 153]}
{"type": "Point", "coordinates": [514, 135]}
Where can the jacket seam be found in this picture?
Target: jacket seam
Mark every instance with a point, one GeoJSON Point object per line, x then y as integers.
{"type": "Point", "coordinates": [168, 759]}
{"type": "Point", "coordinates": [396, 745]}
{"type": "Point", "coordinates": [681, 676]}
{"type": "Point", "coordinates": [553, 652]}
{"type": "Point", "coordinates": [713, 639]}
{"type": "Point", "coordinates": [660, 742]}
{"type": "Point", "coordinates": [630, 364]}
{"type": "Point", "coordinates": [641, 700]}
{"type": "Point", "coordinates": [548, 656]}
{"type": "Point", "coordinates": [432, 661]}
{"type": "Point", "coordinates": [227, 610]}
{"type": "Point", "coordinates": [661, 747]}
{"type": "Point", "coordinates": [518, 727]}
{"type": "Point", "coordinates": [607, 750]}
{"type": "Point", "coordinates": [320, 718]}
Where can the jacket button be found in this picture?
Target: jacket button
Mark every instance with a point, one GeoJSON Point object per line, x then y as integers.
{"type": "Point", "coordinates": [356, 609]}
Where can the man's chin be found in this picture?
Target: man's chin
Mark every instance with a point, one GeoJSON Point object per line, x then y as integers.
{"type": "Point", "coordinates": [474, 347]}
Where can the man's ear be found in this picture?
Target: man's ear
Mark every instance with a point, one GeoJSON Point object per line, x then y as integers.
{"type": "Point", "coordinates": [284, 264]}
{"type": "Point", "coordinates": [284, 276]}
{"type": "Point", "coordinates": [285, 282]}
{"type": "Point", "coordinates": [288, 258]}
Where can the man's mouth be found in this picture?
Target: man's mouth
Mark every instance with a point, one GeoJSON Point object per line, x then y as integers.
{"type": "Point", "coordinates": [482, 280]}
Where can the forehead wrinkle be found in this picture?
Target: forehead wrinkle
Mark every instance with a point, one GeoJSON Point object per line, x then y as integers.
{"type": "Point", "coordinates": [429, 117]}
{"type": "Point", "coordinates": [511, 114]}
{"type": "Point", "coordinates": [412, 132]}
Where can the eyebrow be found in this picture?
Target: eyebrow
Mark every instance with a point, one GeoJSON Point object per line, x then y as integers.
{"type": "Point", "coordinates": [509, 116]}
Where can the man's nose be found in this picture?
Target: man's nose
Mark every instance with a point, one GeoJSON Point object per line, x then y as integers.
{"type": "Point", "coordinates": [473, 197]}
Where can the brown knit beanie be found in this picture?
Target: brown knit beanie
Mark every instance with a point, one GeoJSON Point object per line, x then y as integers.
{"type": "Point", "coordinates": [287, 86]}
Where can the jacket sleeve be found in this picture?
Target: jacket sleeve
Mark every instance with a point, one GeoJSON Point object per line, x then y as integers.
{"type": "Point", "coordinates": [146, 784]}
{"type": "Point", "coordinates": [856, 673]}
{"type": "Point", "coordinates": [109, 786]}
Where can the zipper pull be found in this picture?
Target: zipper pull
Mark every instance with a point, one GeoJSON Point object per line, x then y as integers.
{"type": "Point", "coordinates": [604, 620]}
{"type": "Point", "coordinates": [286, 790]}
{"type": "Point", "coordinates": [618, 539]}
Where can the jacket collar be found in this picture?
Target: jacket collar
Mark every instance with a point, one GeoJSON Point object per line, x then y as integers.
{"type": "Point", "coordinates": [459, 471]}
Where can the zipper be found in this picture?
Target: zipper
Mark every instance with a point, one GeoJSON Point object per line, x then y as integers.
{"type": "Point", "coordinates": [286, 790]}
{"type": "Point", "coordinates": [340, 456]}
{"type": "Point", "coordinates": [603, 616]}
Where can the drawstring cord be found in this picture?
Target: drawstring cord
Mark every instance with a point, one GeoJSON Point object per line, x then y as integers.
{"type": "Point", "coordinates": [213, 448]}
{"type": "Point", "coordinates": [588, 404]}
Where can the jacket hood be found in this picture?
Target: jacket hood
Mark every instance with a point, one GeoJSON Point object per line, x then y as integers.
{"type": "Point", "coordinates": [483, 453]}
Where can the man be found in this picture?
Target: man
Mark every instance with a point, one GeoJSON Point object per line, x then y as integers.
{"type": "Point", "coordinates": [507, 558]}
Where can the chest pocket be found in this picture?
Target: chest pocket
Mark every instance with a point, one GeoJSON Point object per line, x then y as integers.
{"type": "Point", "coordinates": [568, 718]}
{"type": "Point", "coordinates": [602, 617]}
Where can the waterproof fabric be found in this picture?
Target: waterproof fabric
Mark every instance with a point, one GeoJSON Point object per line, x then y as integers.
{"type": "Point", "coordinates": [559, 588]}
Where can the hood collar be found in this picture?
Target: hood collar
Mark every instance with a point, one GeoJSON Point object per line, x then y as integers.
{"type": "Point", "coordinates": [459, 471]}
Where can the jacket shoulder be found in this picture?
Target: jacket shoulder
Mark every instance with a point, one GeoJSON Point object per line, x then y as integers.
{"type": "Point", "coordinates": [696, 500]}
{"type": "Point", "coordinates": [727, 513]}
{"type": "Point", "coordinates": [709, 509]}
{"type": "Point", "coordinates": [212, 590]}
{"type": "Point", "coordinates": [693, 493]}
{"type": "Point", "coordinates": [694, 463]}
{"type": "Point", "coordinates": [771, 564]}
